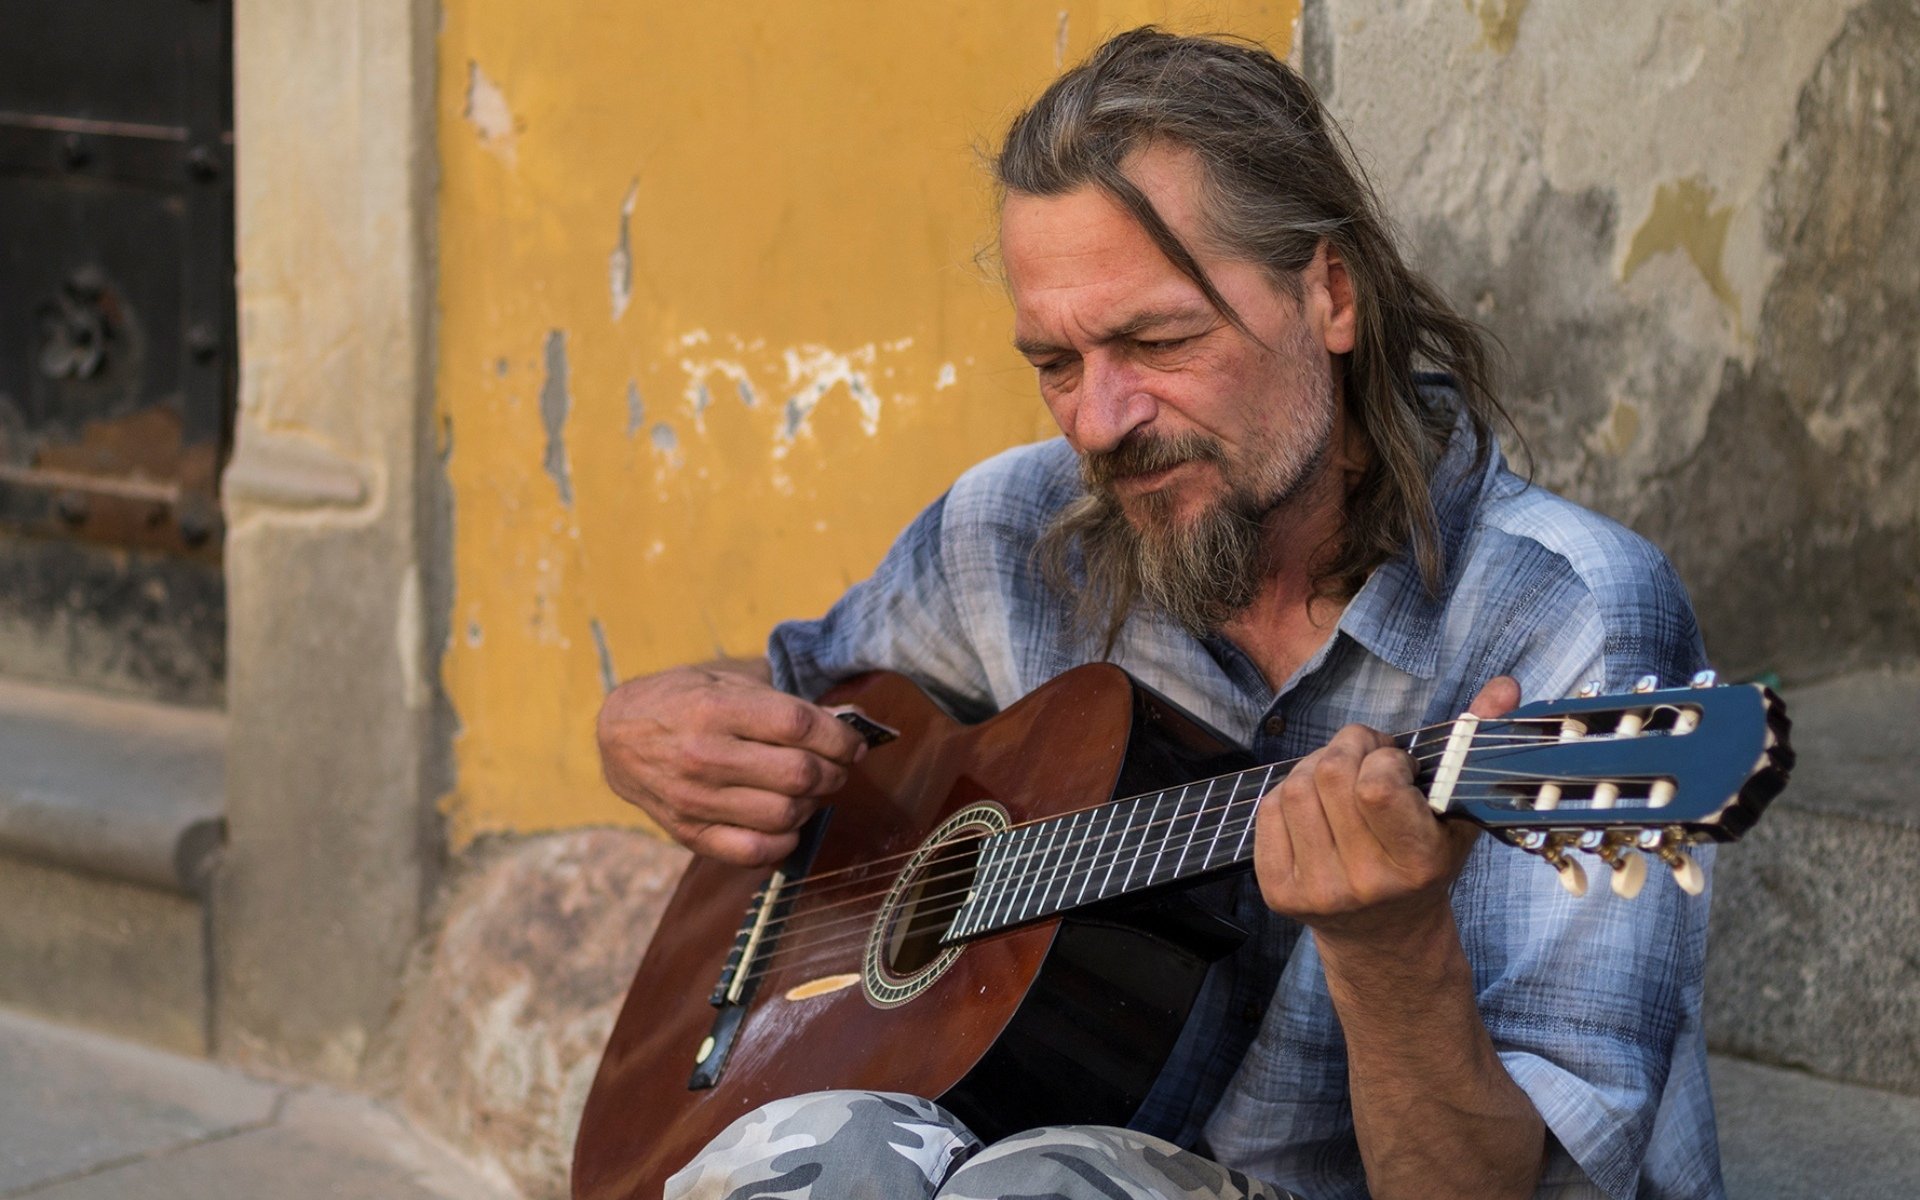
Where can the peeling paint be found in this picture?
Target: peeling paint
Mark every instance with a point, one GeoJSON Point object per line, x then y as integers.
{"type": "Point", "coordinates": [1615, 435]}
{"type": "Point", "coordinates": [1060, 40]}
{"type": "Point", "coordinates": [489, 114]}
{"type": "Point", "coordinates": [608, 679]}
{"type": "Point", "coordinates": [664, 439]}
{"type": "Point", "coordinates": [946, 378]}
{"type": "Point", "coordinates": [816, 371]}
{"type": "Point", "coordinates": [620, 262]}
{"type": "Point", "coordinates": [636, 410]}
{"type": "Point", "coordinates": [1683, 218]}
{"type": "Point", "coordinates": [554, 406]}
{"type": "Point", "coordinates": [1499, 22]}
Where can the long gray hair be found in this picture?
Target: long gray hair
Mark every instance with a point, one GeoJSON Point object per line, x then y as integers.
{"type": "Point", "coordinates": [1278, 179]}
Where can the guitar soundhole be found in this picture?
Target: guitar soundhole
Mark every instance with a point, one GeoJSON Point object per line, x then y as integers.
{"type": "Point", "coordinates": [932, 897]}
{"type": "Point", "coordinates": [904, 954]}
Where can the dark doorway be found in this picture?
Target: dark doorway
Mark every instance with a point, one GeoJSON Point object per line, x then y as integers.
{"type": "Point", "coordinates": [117, 341]}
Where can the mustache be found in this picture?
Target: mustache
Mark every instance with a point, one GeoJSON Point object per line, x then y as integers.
{"type": "Point", "coordinates": [1143, 455]}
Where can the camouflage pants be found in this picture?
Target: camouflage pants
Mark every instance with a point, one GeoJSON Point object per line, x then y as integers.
{"type": "Point", "coordinates": [888, 1146]}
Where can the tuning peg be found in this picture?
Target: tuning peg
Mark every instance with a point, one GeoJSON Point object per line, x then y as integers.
{"type": "Point", "coordinates": [1589, 689]}
{"type": "Point", "coordinates": [1686, 872]}
{"type": "Point", "coordinates": [1646, 683]}
{"type": "Point", "coordinates": [1573, 876]}
{"type": "Point", "coordinates": [1629, 872]}
{"type": "Point", "coordinates": [1704, 679]}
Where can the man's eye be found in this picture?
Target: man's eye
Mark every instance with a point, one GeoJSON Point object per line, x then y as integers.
{"type": "Point", "coordinates": [1158, 344]}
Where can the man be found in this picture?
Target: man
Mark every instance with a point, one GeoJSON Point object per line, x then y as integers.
{"type": "Point", "coordinates": [1260, 509]}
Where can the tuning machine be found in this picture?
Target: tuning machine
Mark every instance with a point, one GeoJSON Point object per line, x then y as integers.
{"type": "Point", "coordinates": [1553, 848]}
{"type": "Point", "coordinates": [1669, 846]}
{"type": "Point", "coordinates": [1617, 851]}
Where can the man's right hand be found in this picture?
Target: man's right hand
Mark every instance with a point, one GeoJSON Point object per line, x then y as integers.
{"type": "Point", "coordinates": [729, 766]}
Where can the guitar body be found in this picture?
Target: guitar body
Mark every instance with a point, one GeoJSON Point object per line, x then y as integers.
{"type": "Point", "coordinates": [1067, 1019]}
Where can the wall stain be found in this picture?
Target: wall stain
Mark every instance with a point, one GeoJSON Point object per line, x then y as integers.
{"type": "Point", "coordinates": [487, 111]}
{"type": "Point", "coordinates": [608, 678]}
{"type": "Point", "coordinates": [1684, 219]}
{"type": "Point", "coordinates": [620, 262]}
{"type": "Point", "coordinates": [554, 406]}
{"type": "Point", "coordinates": [1499, 22]}
{"type": "Point", "coordinates": [636, 409]}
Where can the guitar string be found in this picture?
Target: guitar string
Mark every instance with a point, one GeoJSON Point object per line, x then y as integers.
{"type": "Point", "coordinates": [1411, 736]}
{"type": "Point", "coordinates": [815, 891]}
{"type": "Point", "coordinates": [1020, 861]}
{"type": "Point", "coordinates": [824, 950]}
{"type": "Point", "coordinates": [1016, 864]}
{"type": "Point", "coordinates": [1419, 749]}
{"type": "Point", "coordinates": [827, 937]}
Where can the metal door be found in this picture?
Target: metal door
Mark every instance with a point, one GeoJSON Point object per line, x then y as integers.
{"type": "Point", "coordinates": [116, 339]}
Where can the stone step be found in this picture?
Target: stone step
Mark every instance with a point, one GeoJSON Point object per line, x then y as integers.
{"type": "Point", "coordinates": [1785, 1135]}
{"type": "Point", "coordinates": [87, 1117]}
{"type": "Point", "coordinates": [1815, 958]}
{"type": "Point", "coordinates": [110, 821]}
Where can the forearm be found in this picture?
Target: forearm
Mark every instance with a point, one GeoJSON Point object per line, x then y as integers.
{"type": "Point", "coordinates": [1436, 1113]}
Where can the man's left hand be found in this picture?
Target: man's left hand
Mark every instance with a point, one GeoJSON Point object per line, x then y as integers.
{"type": "Point", "coordinates": [1348, 846]}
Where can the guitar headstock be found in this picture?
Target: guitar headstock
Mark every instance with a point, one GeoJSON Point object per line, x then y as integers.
{"type": "Point", "coordinates": [1625, 778]}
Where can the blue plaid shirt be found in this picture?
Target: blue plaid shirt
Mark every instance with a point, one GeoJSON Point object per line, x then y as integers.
{"type": "Point", "coordinates": [1593, 1004]}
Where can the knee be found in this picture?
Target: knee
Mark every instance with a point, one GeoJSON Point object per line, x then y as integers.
{"type": "Point", "coordinates": [1069, 1161]}
{"type": "Point", "coordinates": [838, 1143]}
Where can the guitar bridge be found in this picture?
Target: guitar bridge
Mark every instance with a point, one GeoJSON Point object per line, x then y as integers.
{"type": "Point", "coordinates": [738, 980]}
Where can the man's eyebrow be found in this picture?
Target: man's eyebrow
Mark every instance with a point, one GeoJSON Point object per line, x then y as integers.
{"type": "Point", "coordinates": [1135, 324]}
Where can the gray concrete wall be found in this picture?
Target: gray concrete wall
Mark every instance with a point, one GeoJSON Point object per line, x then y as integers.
{"type": "Point", "coordinates": [1691, 225]}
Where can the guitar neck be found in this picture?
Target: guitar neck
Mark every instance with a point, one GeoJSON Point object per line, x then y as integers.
{"type": "Point", "coordinates": [1116, 849]}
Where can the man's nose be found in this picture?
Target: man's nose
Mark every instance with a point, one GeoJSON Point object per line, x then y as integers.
{"type": "Point", "coordinates": [1113, 403]}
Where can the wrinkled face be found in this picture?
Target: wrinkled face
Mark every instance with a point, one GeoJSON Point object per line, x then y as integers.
{"type": "Point", "coordinates": [1179, 416]}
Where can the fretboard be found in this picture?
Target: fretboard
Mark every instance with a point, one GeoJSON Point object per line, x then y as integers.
{"type": "Point", "coordinates": [1116, 849]}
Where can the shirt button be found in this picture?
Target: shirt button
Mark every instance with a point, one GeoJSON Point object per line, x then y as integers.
{"type": "Point", "coordinates": [1274, 726]}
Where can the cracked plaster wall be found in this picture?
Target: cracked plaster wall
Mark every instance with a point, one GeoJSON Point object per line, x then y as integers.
{"type": "Point", "coordinates": [1686, 222]}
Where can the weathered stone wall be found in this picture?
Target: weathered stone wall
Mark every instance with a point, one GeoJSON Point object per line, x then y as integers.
{"type": "Point", "coordinates": [1690, 225]}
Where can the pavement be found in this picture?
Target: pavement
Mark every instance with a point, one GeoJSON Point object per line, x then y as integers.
{"type": "Point", "coordinates": [88, 1117]}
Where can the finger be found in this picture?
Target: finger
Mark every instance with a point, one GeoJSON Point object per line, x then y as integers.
{"type": "Point", "coordinates": [1500, 696]}
{"type": "Point", "coordinates": [721, 761]}
{"type": "Point", "coordinates": [782, 720]}
{"type": "Point", "coordinates": [1316, 864]}
{"type": "Point", "coordinates": [737, 846]}
{"type": "Point", "coordinates": [1396, 814]}
{"type": "Point", "coordinates": [749, 808]}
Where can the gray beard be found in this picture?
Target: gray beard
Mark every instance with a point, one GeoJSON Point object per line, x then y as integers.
{"type": "Point", "coordinates": [1200, 576]}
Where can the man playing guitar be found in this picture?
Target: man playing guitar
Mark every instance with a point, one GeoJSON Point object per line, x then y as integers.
{"type": "Point", "coordinates": [1277, 501]}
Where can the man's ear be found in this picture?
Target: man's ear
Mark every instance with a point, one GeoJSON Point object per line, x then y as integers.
{"type": "Point", "coordinates": [1331, 288]}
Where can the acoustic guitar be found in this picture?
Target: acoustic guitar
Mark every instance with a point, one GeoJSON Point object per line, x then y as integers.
{"type": "Point", "coordinates": [1002, 916]}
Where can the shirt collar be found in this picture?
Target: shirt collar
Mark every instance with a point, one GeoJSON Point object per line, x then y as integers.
{"type": "Point", "coordinates": [1393, 615]}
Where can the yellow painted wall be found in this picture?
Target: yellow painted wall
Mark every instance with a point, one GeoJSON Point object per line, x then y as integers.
{"type": "Point", "coordinates": [805, 354]}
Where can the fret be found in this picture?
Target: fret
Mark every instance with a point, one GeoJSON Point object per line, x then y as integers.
{"type": "Point", "coordinates": [1266, 785]}
{"type": "Point", "coordinates": [1017, 840]}
{"type": "Point", "coordinates": [1063, 866]}
{"type": "Point", "coordinates": [1200, 817]}
{"type": "Point", "coordinates": [1099, 843]}
{"type": "Point", "coordinates": [1113, 857]}
{"type": "Point", "coordinates": [1112, 815]}
{"type": "Point", "coordinates": [1220, 818]}
{"type": "Point", "coordinates": [1141, 844]}
{"type": "Point", "coordinates": [1167, 837]}
{"type": "Point", "coordinates": [987, 871]}
{"type": "Point", "coordinates": [1050, 833]}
